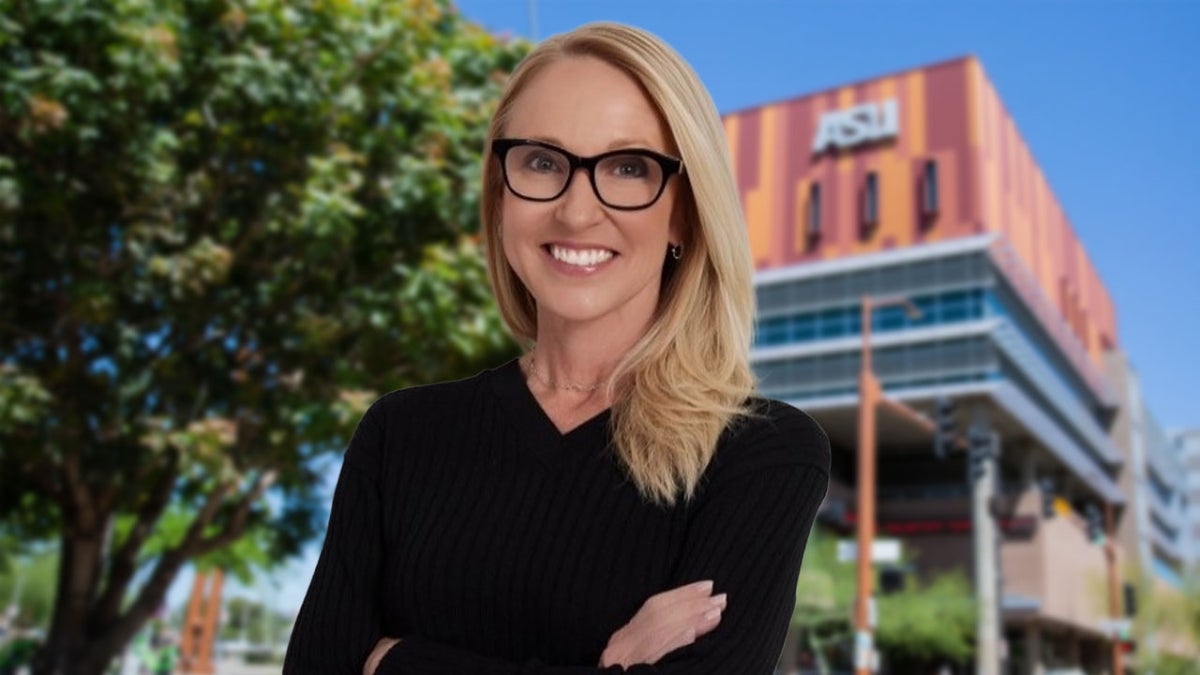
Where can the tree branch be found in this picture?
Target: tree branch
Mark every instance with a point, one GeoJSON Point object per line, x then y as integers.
{"type": "Point", "coordinates": [237, 523]}
{"type": "Point", "coordinates": [79, 503]}
{"type": "Point", "coordinates": [172, 560]}
{"type": "Point", "coordinates": [124, 561]}
{"type": "Point", "coordinates": [40, 474]}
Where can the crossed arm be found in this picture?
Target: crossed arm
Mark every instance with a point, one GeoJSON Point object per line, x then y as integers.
{"type": "Point", "coordinates": [666, 622]}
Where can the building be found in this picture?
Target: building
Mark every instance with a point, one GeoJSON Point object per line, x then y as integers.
{"type": "Point", "coordinates": [1152, 533]}
{"type": "Point", "coordinates": [1186, 443]}
{"type": "Point", "coordinates": [919, 185]}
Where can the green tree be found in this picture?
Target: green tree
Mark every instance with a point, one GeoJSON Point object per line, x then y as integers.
{"type": "Point", "coordinates": [824, 598]}
{"type": "Point", "coordinates": [252, 621]}
{"type": "Point", "coordinates": [1166, 625]}
{"type": "Point", "coordinates": [27, 585]}
{"type": "Point", "coordinates": [919, 626]}
{"type": "Point", "coordinates": [225, 227]}
{"type": "Point", "coordinates": [928, 623]}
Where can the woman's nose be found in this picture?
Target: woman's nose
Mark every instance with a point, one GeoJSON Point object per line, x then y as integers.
{"type": "Point", "coordinates": [579, 206]}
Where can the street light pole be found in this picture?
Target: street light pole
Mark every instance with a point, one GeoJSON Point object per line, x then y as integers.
{"type": "Point", "coordinates": [867, 395]}
{"type": "Point", "coordinates": [870, 395]}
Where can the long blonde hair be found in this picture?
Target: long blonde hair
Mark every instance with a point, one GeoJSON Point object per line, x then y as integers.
{"type": "Point", "coordinates": [689, 376]}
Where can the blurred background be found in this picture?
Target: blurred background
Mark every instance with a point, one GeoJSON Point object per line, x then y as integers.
{"type": "Point", "coordinates": [227, 227]}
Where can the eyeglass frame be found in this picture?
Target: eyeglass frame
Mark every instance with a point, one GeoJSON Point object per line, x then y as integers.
{"type": "Point", "coordinates": [669, 165]}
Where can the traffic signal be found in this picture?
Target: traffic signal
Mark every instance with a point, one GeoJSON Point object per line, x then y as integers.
{"type": "Point", "coordinates": [1130, 599]}
{"type": "Point", "coordinates": [1046, 484]}
{"type": "Point", "coordinates": [1095, 523]}
{"type": "Point", "coordinates": [979, 451]}
{"type": "Point", "coordinates": [891, 580]}
{"type": "Point", "coordinates": [945, 427]}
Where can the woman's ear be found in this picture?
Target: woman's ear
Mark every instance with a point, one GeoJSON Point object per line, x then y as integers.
{"type": "Point", "coordinates": [679, 218]}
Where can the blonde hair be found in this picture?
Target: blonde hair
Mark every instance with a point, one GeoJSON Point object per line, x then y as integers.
{"type": "Point", "coordinates": [689, 376]}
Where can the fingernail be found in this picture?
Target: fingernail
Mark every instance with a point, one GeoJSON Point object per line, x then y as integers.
{"type": "Point", "coordinates": [712, 614]}
{"type": "Point", "coordinates": [719, 600]}
{"type": "Point", "coordinates": [706, 585]}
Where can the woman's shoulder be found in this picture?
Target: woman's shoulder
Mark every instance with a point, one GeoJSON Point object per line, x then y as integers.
{"type": "Point", "coordinates": [771, 434]}
{"type": "Point", "coordinates": [426, 402]}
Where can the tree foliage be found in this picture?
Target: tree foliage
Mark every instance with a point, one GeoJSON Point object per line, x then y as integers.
{"type": "Point", "coordinates": [225, 227]}
{"type": "Point", "coordinates": [1166, 624]}
{"type": "Point", "coordinates": [825, 594]}
{"type": "Point", "coordinates": [27, 587]}
{"type": "Point", "coordinates": [929, 622]}
{"type": "Point", "coordinates": [921, 625]}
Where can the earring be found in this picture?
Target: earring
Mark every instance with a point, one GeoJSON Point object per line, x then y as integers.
{"type": "Point", "coordinates": [676, 250]}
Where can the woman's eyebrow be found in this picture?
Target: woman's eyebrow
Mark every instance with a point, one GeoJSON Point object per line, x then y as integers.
{"type": "Point", "coordinates": [617, 144]}
{"type": "Point", "coordinates": [545, 139]}
{"type": "Point", "coordinates": [630, 143]}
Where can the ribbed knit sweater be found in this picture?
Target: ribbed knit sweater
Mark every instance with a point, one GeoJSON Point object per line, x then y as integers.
{"type": "Point", "coordinates": [467, 525]}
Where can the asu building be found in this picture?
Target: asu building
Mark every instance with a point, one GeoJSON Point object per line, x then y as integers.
{"type": "Point", "coordinates": [919, 185]}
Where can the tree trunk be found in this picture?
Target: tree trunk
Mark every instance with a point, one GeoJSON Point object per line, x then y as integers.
{"type": "Point", "coordinates": [67, 644]}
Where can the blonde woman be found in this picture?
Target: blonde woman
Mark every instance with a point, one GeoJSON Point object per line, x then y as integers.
{"type": "Point", "coordinates": [618, 499]}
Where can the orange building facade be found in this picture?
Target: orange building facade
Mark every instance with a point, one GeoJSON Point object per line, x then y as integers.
{"type": "Point", "coordinates": [987, 181]}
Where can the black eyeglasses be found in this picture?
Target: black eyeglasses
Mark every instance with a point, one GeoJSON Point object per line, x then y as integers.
{"type": "Point", "coordinates": [628, 179]}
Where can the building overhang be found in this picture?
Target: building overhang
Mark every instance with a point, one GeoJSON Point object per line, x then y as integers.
{"type": "Point", "coordinates": [1016, 407]}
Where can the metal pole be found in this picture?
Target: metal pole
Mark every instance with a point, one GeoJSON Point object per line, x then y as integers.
{"type": "Point", "coordinates": [987, 651]}
{"type": "Point", "coordinates": [1114, 588]}
{"type": "Point", "coordinates": [864, 642]}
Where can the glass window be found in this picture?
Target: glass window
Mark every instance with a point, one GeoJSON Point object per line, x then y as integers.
{"type": "Point", "coordinates": [870, 205]}
{"type": "Point", "coordinates": [929, 189]}
{"type": "Point", "coordinates": [814, 211]}
{"type": "Point", "coordinates": [888, 318]}
{"type": "Point", "coordinates": [832, 323]}
{"type": "Point", "coordinates": [804, 327]}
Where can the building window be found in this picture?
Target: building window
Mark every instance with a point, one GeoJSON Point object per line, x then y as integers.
{"type": "Point", "coordinates": [929, 189]}
{"type": "Point", "coordinates": [870, 204]}
{"type": "Point", "coordinates": [813, 227]}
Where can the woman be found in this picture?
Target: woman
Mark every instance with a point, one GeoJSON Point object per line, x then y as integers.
{"type": "Point", "coordinates": [617, 497]}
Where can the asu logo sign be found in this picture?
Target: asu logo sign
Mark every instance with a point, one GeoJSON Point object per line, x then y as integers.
{"type": "Point", "coordinates": [865, 123]}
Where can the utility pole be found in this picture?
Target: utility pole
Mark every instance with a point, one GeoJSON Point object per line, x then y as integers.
{"type": "Point", "coordinates": [982, 453]}
{"type": "Point", "coordinates": [870, 395]}
{"type": "Point", "coordinates": [1114, 591]}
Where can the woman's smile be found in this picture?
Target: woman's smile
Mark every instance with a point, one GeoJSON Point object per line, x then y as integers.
{"type": "Point", "coordinates": [579, 259]}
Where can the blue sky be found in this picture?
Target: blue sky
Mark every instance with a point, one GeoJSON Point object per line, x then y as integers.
{"type": "Point", "coordinates": [1104, 93]}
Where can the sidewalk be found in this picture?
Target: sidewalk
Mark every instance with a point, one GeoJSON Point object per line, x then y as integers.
{"type": "Point", "coordinates": [237, 667]}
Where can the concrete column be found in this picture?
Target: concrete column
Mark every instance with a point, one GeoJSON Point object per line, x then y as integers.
{"type": "Point", "coordinates": [1034, 665]}
{"type": "Point", "coordinates": [987, 587]}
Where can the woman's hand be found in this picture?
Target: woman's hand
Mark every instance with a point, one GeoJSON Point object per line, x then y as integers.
{"type": "Point", "coordinates": [377, 654]}
{"type": "Point", "coordinates": [666, 622]}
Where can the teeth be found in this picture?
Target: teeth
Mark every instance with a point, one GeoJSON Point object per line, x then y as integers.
{"type": "Point", "coordinates": [587, 258]}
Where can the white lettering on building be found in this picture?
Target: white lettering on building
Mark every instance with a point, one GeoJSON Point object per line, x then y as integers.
{"type": "Point", "coordinates": [864, 123]}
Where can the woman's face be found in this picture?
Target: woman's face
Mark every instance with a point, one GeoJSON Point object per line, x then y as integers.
{"type": "Point", "coordinates": [585, 262]}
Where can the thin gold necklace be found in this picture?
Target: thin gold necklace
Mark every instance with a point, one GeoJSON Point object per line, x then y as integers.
{"type": "Point", "coordinates": [570, 386]}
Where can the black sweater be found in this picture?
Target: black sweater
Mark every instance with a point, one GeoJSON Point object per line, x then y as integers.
{"type": "Point", "coordinates": [466, 524]}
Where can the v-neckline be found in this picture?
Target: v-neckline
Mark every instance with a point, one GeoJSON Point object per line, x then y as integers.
{"type": "Point", "coordinates": [543, 437]}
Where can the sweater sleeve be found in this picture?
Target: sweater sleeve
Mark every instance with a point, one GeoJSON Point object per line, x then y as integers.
{"type": "Point", "coordinates": [748, 535]}
{"type": "Point", "coordinates": [338, 623]}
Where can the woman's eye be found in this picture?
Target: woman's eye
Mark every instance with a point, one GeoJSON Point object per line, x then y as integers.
{"type": "Point", "coordinates": [542, 163]}
{"type": "Point", "coordinates": [631, 167]}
